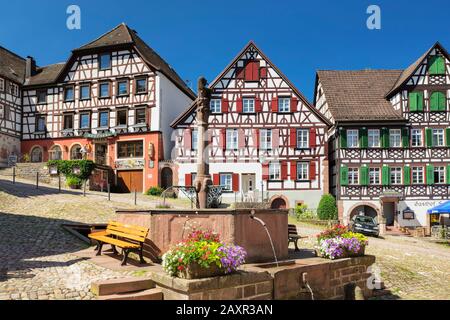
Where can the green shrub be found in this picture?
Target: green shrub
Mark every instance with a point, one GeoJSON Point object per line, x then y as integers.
{"type": "Point", "coordinates": [66, 168]}
{"type": "Point", "coordinates": [303, 213]}
{"type": "Point", "coordinates": [74, 182]}
{"type": "Point", "coordinates": [154, 191]}
{"type": "Point", "coordinates": [327, 209]}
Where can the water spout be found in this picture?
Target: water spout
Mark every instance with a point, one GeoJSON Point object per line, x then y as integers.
{"type": "Point", "coordinates": [252, 216]}
{"type": "Point", "coordinates": [306, 284]}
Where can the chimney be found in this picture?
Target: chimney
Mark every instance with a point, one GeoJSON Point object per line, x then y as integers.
{"type": "Point", "coordinates": [30, 67]}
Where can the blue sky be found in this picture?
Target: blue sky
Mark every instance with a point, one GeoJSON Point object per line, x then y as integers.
{"type": "Point", "coordinates": [201, 37]}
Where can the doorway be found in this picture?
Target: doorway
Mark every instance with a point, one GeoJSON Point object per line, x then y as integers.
{"type": "Point", "coordinates": [166, 178]}
{"type": "Point", "coordinates": [101, 151]}
{"type": "Point", "coordinates": [389, 213]}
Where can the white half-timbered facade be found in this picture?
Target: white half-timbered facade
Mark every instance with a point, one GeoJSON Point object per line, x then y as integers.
{"type": "Point", "coordinates": [266, 140]}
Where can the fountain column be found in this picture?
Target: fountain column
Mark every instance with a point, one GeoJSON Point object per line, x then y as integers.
{"type": "Point", "coordinates": [203, 178]}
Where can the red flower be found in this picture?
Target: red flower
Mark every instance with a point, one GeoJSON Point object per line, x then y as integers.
{"type": "Point", "coordinates": [180, 268]}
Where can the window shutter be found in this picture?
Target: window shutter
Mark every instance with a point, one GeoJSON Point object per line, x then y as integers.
{"type": "Point", "coordinates": [265, 171]}
{"type": "Point", "coordinates": [385, 176]}
{"type": "Point", "coordinates": [434, 101]}
{"type": "Point", "coordinates": [447, 137]}
{"type": "Point", "coordinates": [343, 138]}
{"type": "Point", "coordinates": [252, 71]}
{"type": "Point", "coordinates": [236, 182]}
{"type": "Point", "coordinates": [440, 65]}
{"type": "Point", "coordinates": [258, 105]}
{"type": "Point", "coordinates": [430, 174]}
{"type": "Point", "coordinates": [448, 174]}
{"type": "Point", "coordinates": [294, 170]}
{"type": "Point", "coordinates": [442, 103]}
{"type": "Point", "coordinates": [405, 137]}
{"type": "Point", "coordinates": [225, 105]}
{"type": "Point", "coordinates": [344, 176]}
{"type": "Point", "coordinates": [223, 139]}
{"type": "Point", "coordinates": [255, 70]}
{"type": "Point", "coordinates": [312, 170]}
{"type": "Point", "coordinates": [419, 101]}
{"type": "Point", "coordinates": [284, 170]}
{"type": "Point", "coordinates": [274, 104]}
{"type": "Point", "coordinates": [239, 106]}
{"type": "Point", "coordinates": [364, 175]}
{"type": "Point", "coordinates": [188, 179]}
{"type": "Point", "coordinates": [312, 138]}
{"type": "Point", "coordinates": [263, 72]}
{"type": "Point", "coordinates": [436, 65]}
{"type": "Point", "coordinates": [294, 104]}
{"type": "Point", "coordinates": [413, 101]}
{"type": "Point", "coordinates": [188, 139]}
{"type": "Point", "coordinates": [385, 138]}
{"type": "Point", "coordinates": [276, 138]}
{"type": "Point", "coordinates": [240, 73]}
{"type": "Point", "coordinates": [256, 138]}
{"type": "Point", "coordinates": [241, 138]}
{"type": "Point", "coordinates": [216, 179]}
{"type": "Point", "coordinates": [293, 138]}
{"type": "Point", "coordinates": [407, 175]}
{"type": "Point", "coordinates": [363, 139]}
{"type": "Point", "coordinates": [429, 137]}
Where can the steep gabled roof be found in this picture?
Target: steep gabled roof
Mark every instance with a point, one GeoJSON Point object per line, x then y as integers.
{"type": "Point", "coordinates": [192, 107]}
{"type": "Point", "coordinates": [118, 36]}
{"type": "Point", "coordinates": [12, 66]}
{"type": "Point", "coordinates": [359, 95]}
{"type": "Point", "coordinates": [45, 75]}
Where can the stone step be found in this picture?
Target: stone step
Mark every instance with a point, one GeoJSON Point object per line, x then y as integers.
{"type": "Point", "coordinates": [150, 294]}
{"type": "Point", "coordinates": [118, 286]}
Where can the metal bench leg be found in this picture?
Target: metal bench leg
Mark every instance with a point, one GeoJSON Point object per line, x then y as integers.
{"type": "Point", "coordinates": [114, 250]}
{"type": "Point", "coordinates": [141, 254]}
{"type": "Point", "coordinates": [296, 245]}
{"type": "Point", "coordinates": [99, 250]}
{"type": "Point", "coordinates": [125, 256]}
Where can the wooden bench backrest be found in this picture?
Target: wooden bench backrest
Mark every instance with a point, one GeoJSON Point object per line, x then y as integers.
{"type": "Point", "coordinates": [127, 231]}
{"type": "Point", "coordinates": [292, 229]}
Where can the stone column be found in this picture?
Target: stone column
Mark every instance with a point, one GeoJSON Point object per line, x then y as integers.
{"type": "Point", "coordinates": [203, 179]}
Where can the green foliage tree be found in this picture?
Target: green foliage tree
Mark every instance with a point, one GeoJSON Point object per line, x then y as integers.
{"type": "Point", "coordinates": [67, 168]}
{"type": "Point", "coordinates": [327, 209]}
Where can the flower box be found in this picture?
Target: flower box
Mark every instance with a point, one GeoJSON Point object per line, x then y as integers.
{"type": "Point", "coordinates": [361, 253]}
{"type": "Point", "coordinates": [196, 271]}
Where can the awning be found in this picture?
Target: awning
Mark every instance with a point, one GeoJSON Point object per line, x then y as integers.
{"type": "Point", "coordinates": [443, 208]}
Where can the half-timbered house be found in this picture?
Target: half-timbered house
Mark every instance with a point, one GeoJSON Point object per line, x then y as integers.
{"type": "Point", "coordinates": [389, 146]}
{"type": "Point", "coordinates": [266, 140]}
{"type": "Point", "coordinates": [112, 102]}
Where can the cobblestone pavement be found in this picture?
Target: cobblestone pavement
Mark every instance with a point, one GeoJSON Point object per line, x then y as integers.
{"type": "Point", "coordinates": [35, 252]}
{"type": "Point", "coordinates": [411, 268]}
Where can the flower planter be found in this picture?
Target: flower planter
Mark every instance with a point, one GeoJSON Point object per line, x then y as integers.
{"type": "Point", "coordinates": [361, 253]}
{"type": "Point", "coordinates": [196, 271]}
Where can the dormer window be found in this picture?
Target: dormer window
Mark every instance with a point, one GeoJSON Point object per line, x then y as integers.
{"type": "Point", "coordinates": [436, 66]}
{"type": "Point", "coordinates": [105, 61]}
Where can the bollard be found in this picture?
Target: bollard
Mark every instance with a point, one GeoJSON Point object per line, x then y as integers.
{"type": "Point", "coordinates": [109, 192]}
{"type": "Point", "coordinates": [37, 180]}
{"type": "Point", "coordinates": [135, 197]}
{"type": "Point", "coordinates": [84, 188]}
{"type": "Point", "coordinates": [14, 175]}
{"type": "Point", "coordinates": [59, 183]}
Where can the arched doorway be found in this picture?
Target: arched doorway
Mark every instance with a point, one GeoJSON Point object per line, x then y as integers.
{"type": "Point", "coordinates": [166, 178]}
{"type": "Point", "coordinates": [364, 210]}
{"type": "Point", "coordinates": [36, 154]}
{"type": "Point", "coordinates": [278, 203]}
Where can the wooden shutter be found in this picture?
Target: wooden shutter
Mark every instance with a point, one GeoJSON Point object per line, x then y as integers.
{"type": "Point", "coordinates": [240, 73]}
{"type": "Point", "coordinates": [385, 138]}
{"type": "Point", "coordinates": [258, 106]}
{"type": "Point", "coordinates": [239, 106]}
{"type": "Point", "coordinates": [284, 166]}
{"type": "Point", "coordinates": [363, 139]}
{"type": "Point", "coordinates": [263, 72]}
{"type": "Point", "coordinates": [364, 175]}
{"type": "Point", "coordinates": [440, 65]}
{"type": "Point", "coordinates": [293, 138]}
{"type": "Point", "coordinates": [312, 170]}
{"type": "Point", "coordinates": [252, 71]}
{"type": "Point", "coordinates": [188, 139]}
{"type": "Point", "coordinates": [447, 137]}
{"type": "Point", "coordinates": [188, 179]}
{"type": "Point", "coordinates": [225, 105]}
{"type": "Point", "coordinates": [236, 182]}
{"type": "Point", "coordinates": [436, 65]}
{"type": "Point", "coordinates": [343, 138]}
{"type": "Point", "coordinates": [216, 179]}
{"type": "Point", "coordinates": [265, 171]}
{"type": "Point", "coordinates": [241, 138]}
{"type": "Point", "coordinates": [275, 138]}
{"type": "Point", "coordinates": [413, 101]}
{"type": "Point", "coordinates": [406, 175]}
{"type": "Point", "coordinates": [438, 101]}
{"type": "Point", "coordinates": [405, 138]}
{"type": "Point", "coordinates": [293, 170]}
{"type": "Point", "coordinates": [223, 139]}
{"type": "Point", "coordinates": [344, 175]}
{"type": "Point", "coordinates": [274, 104]}
{"type": "Point", "coordinates": [312, 138]}
{"type": "Point", "coordinates": [448, 174]}
{"type": "Point", "coordinates": [419, 97]}
{"type": "Point", "coordinates": [428, 137]}
{"type": "Point", "coordinates": [256, 138]}
{"type": "Point", "coordinates": [294, 104]}
{"type": "Point", "coordinates": [385, 175]}
{"type": "Point", "coordinates": [430, 174]}
{"type": "Point", "coordinates": [255, 70]}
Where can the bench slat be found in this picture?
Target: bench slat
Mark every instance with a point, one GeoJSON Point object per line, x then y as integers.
{"type": "Point", "coordinates": [125, 235]}
{"type": "Point", "coordinates": [129, 226]}
{"type": "Point", "coordinates": [116, 242]}
{"type": "Point", "coordinates": [127, 231]}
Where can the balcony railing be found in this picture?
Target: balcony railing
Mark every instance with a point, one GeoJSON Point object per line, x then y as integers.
{"type": "Point", "coordinates": [394, 153]}
{"type": "Point", "coordinates": [437, 191]}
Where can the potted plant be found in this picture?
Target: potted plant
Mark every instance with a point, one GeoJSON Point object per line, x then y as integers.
{"type": "Point", "coordinates": [73, 182]}
{"type": "Point", "coordinates": [338, 242]}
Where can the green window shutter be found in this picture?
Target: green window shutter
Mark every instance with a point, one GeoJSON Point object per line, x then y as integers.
{"type": "Point", "coordinates": [429, 137]}
{"type": "Point", "coordinates": [440, 65]}
{"type": "Point", "coordinates": [363, 139]}
{"type": "Point", "coordinates": [419, 101]}
{"type": "Point", "coordinates": [436, 65]}
{"type": "Point", "coordinates": [447, 137]}
{"type": "Point", "coordinates": [385, 175]}
{"type": "Point", "coordinates": [364, 175]}
{"type": "Point", "coordinates": [407, 176]}
{"type": "Point", "coordinates": [385, 138]}
{"type": "Point", "coordinates": [343, 138]}
{"type": "Point", "coordinates": [405, 137]}
{"type": "Point", "coordinates": [442, 101]}
{"type": "Point", "coordinates": [448, 174]}
{"type": "Point", "coordinates": [413, 101]}
{"type": "Point", "coordinates": [344, 176]}
{"type": "Point", "coordinates": [430, 174]}
{"type": "Point", "coordinates": [437, 101]}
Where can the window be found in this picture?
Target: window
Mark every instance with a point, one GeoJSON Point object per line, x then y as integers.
{"type": "Point", "coordinates": [302, 171]}
{"type": "Point", "coordinates": [374, 176]}
{"type": "Point", "coordinates": [226, 181]}
{"type": "Point", "coordinates": [417, 175]}
{"type": "Point", "coordinates": [36, 154]}
{"type": "Point", "coordinates": [104, 90]}
{"type": "Point", "coordinates": [352, 138]}
{"type": "Point", "coordinates": [130, 149]}
{"type": "Point", "coordinates": [122, 87]}
{"type": "Point", "coordinates": [85, 121]}
{"type": "Point", "coordinates": [140, 116]}
{"type": "Point", "coordinates": [274, 171]}
{"type": "Point", "coordinates": [194, 139]}
{"type": "Point", "coordinates": [416, 138]}
{"type": "Point", "coordinates": [122, 117]}
{"type": "Point", "coordinates": [2, 84]}
{"type": "Point", "coordinates": [75, 153]}
{"type": "Point", "coordinates": [55, 153]}
{"type": "Point", "coordinates": [439, 175]}
{"type": "Point", "coordinates": [41, 96]}
{"type": "Point", "coordinates": [373, 138]}
{"type": "Point", "coordinates": [395, 176]}
{"type": "Point", "coordinates": [232, 139]}
{"type": "Point", "coordinates": [40, 124]}
{"type": "Point", "coordinates": [284, 104]}
{"type": "Point", "coordinates": [302, 139]}
{"type": "Point", "coordinates": [105, 61]}
{"type": "Point", "coordinates": [395, 138]}
{"type": "Point", "coordinates": [266, 139]}
{"type": "Point", "coordinates": [248, 105]}
{"type": "Point", "coordinates": [216, 106]}
{"type": "Point", "coordinates": [69, 94]}
{"type": "Point", "coordinates": [353, 175]}
{"type": "Point", "coordinates": [4, 112]}
{"type": "Point", "coordinates": [85, 92]}
{"type": "Point", "coordinates": [68, 122]}
{"type": "Point", "coordinates": [438, 137]}
{"type": "Point", "coordinates": [103, 119]}
{"type": "Point", "coordinates": [141, 85]}
{"type": "Point", "coordinates": [14, 89]}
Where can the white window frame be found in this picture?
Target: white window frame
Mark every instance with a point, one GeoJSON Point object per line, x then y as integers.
{"type": "Point", "coordinates": [374, 176]}
{"type": "Point", "coordinates": [302, 138]}
{"type": "Point", "coordinates": [416, 136]}
{"type": "Point", "coordinates": [284, 105]}
{"type": "Point", "coordinates": [395, 175]}
{"type": "Point", "coordinates": [373, 137]}
{"type": "Point", "coordinates": [248, 105]}
{"type": "Point", "coordinates": [194, 140]}
{"type": "Point", "coordinates": [226, 181]}
{"type": "Point", "coordinates": [302, 171]}
{"type": "Point", "coordinates": [232, 139]}
{"type": "Point", "coordinates": [353, 176]}
{"type": "Point", "coordinates": [395, 138]}
{"type": "Point", "coordinates": [216, 106]}
{"type": "Point", "coordinates": [438, 137]}
{"type": "Point", "coordinates": [265, 139]}
{"type": "Point", "coordinates": [418, 175]}
{"type": "Point", "coordinates": [352, 138]}
{"type": "Point", "coordinates": [440, 170]}
{"type": "Point", "coordinates": [274, 171]}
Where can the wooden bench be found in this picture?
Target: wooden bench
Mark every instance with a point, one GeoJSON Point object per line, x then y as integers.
{"type": "Point", "coordinates": [293, 236]}
{"type": "Point", "coordinates": [129, 238]}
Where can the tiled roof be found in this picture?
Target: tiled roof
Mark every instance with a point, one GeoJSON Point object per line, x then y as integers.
{"type": "Point", "coordinates": [359, 95]}
{"type": "Point", "coordinates": [12, 66]}
{"type": "Point", "coordinates": [45, 75]}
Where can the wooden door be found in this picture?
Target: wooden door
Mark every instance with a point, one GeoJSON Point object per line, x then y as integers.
{"type": "Point", "coordinates": [130, 181]}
